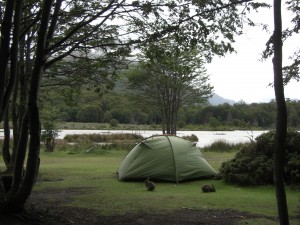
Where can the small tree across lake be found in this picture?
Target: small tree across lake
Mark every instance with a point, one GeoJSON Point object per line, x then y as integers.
{"type": "Point", "coordinates": [169, 77]}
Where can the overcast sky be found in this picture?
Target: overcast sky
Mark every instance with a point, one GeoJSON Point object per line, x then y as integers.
{"type": "Point", "coordinates": [242, 76]}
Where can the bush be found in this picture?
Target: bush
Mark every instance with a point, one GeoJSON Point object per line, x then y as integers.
{"type": "Point", "coordinates": [253, 164]}
{"type": "Point", "coordinates": [48, 137]}
{"type": "Point", "coordinates": [113, 123]}
{"type": "Point", "coordinates": [89, 113]}
{"type": "Point", "coordinates": [49, 133]}
{"type": "Point", "coordinates": [181, 124]}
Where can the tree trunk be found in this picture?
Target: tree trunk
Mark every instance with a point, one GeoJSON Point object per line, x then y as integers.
{"type": "Point", "coordinates": [281, 124]}
{"type": "Point", "coordinates": [12, 87]}
{"type": "Point", "coordinates": [5, 149]}
{"type": "Point", "coordinates": [33, 160]}
{"type": "Point", "coordinates": [6, 27]}
{"type": "Point", "coordinates": [173, 112]}
{"type": "Point", "coordinates": [177, 104]}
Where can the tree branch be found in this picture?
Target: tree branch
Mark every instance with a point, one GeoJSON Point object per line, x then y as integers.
{"type": "Point", "coordinates": [81, 25]}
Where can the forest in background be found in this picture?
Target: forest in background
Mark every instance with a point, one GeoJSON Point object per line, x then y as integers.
{"type": "Point", "coordinates": [119, 106]}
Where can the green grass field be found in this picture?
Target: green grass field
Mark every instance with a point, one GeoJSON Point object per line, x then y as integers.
{"type": "Point", "coordinates": [90, 180]}
{"type": "Point", "coordinates": [93, 180]}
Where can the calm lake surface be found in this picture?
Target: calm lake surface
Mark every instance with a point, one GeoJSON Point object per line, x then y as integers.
{"type": "Point", "coordinates": [205, 137]}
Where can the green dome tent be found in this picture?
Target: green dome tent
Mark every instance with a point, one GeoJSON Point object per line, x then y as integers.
{"type": "Point", "coordinates": [168, 158]}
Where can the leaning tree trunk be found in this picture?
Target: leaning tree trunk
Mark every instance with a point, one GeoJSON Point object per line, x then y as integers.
{"type": "Point", "coordinates": [281, 124]}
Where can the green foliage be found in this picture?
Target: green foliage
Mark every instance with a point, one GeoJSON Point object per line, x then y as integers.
{"type": "Point", "coordinates": [118, 105]}
{"type": "Point", "coordinates": [122, 115]}
{"type": "Point", "coordinates": [49, 132]}
{"type": "Point", "coordinates": [253, 164]}
{"type": "Point", "coordinates": [113, 122]}
{"type": "Point", "coordinates": [48, 137]}
{"type": "Point", "coordinates": [213, 122]}
{"type": "Point", "coordinates": [181, 124]}
{"type": "Point", "coordinates": [89, 113]}
{"type": "Point", "coordinates": [169, 77]}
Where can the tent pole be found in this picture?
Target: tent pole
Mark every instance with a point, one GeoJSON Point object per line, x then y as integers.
{"type": "Point", "coordinates": [176, 173]}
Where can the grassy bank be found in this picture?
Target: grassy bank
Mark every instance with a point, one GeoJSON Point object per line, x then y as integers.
{"type": "Point", "coordinates": [89, 180]}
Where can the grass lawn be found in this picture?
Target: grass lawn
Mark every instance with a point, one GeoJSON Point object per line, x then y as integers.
{"type": "Point", "coordinates": [90, 180]}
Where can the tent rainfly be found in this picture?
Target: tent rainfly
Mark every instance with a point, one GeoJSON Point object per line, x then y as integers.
{"type": "Point", "coordinates": [163, 157]}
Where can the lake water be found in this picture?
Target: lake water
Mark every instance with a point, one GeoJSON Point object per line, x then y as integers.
{"type": "Point", "coordinates": [205, 137]}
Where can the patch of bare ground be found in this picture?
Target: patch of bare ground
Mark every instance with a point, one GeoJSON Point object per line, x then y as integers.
{"type": "Point", "coordinates": [50, 214]}
{"type": "Point", "coordinates": [39, 211]}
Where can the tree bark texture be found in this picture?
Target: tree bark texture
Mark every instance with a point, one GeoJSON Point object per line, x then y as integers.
{"type": "Point", "coordinates": [281, 123]}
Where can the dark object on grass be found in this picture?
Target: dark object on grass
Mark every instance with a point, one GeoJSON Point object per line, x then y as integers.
{"type": "Point", "coordinates": [150, 185]}
{"type": "Point", "coordinates": [208, 188]}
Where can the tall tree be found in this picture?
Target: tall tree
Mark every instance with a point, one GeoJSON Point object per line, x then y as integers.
{"type": "Point", "coordinates": [281, 125]}
{"type": "Point", "coordinates": [170, 77]}
{"type": "Point", "coordinates": [282, 75]}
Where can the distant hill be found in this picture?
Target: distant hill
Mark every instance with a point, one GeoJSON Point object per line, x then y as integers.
{"type": "Point", "coordinates": [218, 100]}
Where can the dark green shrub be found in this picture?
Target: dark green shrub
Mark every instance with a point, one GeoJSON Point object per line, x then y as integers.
{"type": "Point", "coordinates": [49, 132]}
{"type": "Point", "coordinates": [113, 122]}
{"type": "Point", "coordinates": [48, 137]}
{"type": "Point", "coordinates": [253, 164]}
{"type": "Point", "coordinates": [181, 124]}
{"type": "Point", "coordinates": [89, 113]}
